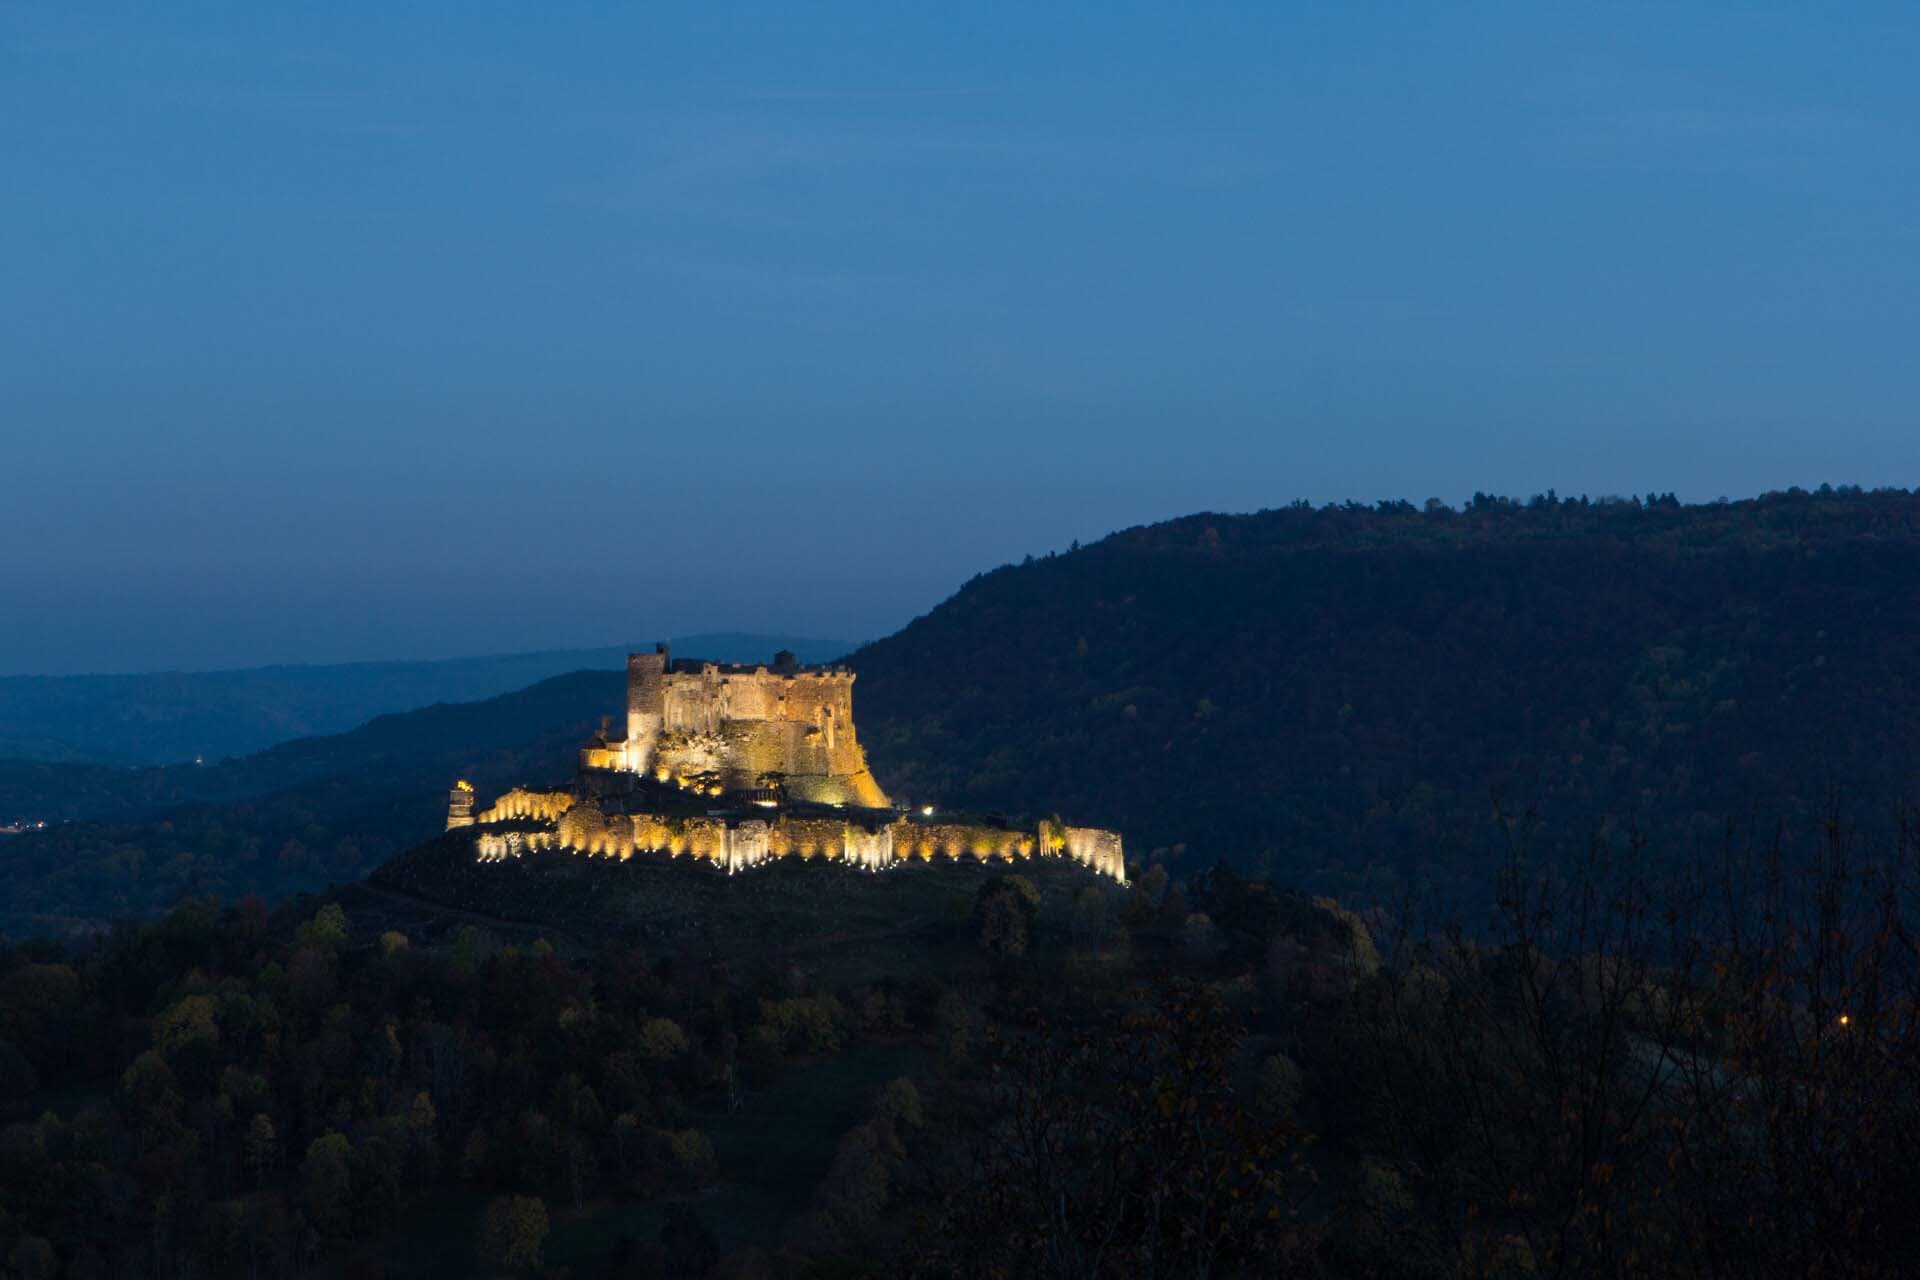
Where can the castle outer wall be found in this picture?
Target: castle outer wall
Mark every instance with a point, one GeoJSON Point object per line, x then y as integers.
{"type": "Point", "coordinates": [522, 822]}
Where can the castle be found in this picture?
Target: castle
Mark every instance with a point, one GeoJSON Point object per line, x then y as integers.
{"type": "Point", "coordinates": [740, 728]}
{"type": "Point", "coordinates": [741, 764]}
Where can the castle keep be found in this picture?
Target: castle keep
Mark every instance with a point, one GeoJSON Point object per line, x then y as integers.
{"type": "Point", "coordinates": [784, 728]}
{"type": "Point", "coordinates": [741, 764]}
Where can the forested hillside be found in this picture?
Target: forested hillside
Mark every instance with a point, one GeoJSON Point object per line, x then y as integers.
{"type": "Point", "coordinates": [300, 816]}
{"type": "Point", "coordinates": [1338, 695]}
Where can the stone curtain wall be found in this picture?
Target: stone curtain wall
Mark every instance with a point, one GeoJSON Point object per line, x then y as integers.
{"type": "Point", "coordinates": [1099, 850]}
{"type": "Point", "coordinates": [542, 806]}
{"type": "Point", "coordinates": [740, 846]}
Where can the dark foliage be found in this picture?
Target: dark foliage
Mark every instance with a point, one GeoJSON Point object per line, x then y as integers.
{"type": "Point", "coordinates": [1333, 695]}
{"type": "Point", "coordinates": [296, 818]}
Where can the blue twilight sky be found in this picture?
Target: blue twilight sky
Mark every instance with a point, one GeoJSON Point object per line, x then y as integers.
{"type": "Point", "coordinates": [350, 330]}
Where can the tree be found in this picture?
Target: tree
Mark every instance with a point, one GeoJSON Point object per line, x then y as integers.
{"type": "Point", "coordinates": [693, 1152]}
{"type": "Point", "coordinates": [1003, 913]}
{"type": "Point", "coordinates": [190, 1019]}
{"type": "Point", "coordinates": [1121, 1151]}
{"type": "Point", "coordinates": [262, 1149]}
{"type": "Point", "coordinates": [327, 929]}
{"type": "Point", "coordinates": [1713, 1069]}
{"type": "Point", "coordinates": [33, 1258]}
{"type": "Point", "coordinates": [662, 1040]}
{"type": "Point", "coordinates": [515, 1231]}
{"type": "Point", "coordinates": [153, 1093]}
{"type": "Point", "coordinates": [1278, 1094]}
{"type": "Point", "coordinates": [17, 1078]}
{"type": "Point", "coordinates": [899, 1104]}
{"type": "Point", "coordinates": [690, 1248]}
{"type": "Point", "coordinates": [326, 1184]}
{"type": "Point", "coordinates": [37, 1007]}
{"type": "Point", "coordinates": [1091, 921]}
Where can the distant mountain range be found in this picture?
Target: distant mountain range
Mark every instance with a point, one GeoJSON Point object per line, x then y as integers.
{"type": "Point", "coordinates": [174, 717]}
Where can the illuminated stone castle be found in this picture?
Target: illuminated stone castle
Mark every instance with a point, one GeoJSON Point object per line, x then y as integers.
{"type": "Point", "coordinates": [785, 728]}
{"type": "Point", "coordinates": [741, 764]}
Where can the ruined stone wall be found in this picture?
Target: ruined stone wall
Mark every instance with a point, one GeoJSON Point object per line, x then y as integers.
{"type": "Point", "coordinates": [545, 806]}
{"type": "Point", "coordinates": [871, 850]}
{"type": "Point", "coordinates": [1099, 850]}
{"type": "Point", "coordinates": [928, 840]}
{"type": "Point", "coordinates": [808, 838]}
{"type": "Point", "coordinates": [582, 827]}
{"type": "Point", "coordinates": [747, 845]}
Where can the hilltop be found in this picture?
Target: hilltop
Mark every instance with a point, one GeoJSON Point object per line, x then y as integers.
{"type": "Point", "coordinates": [1338, 695]}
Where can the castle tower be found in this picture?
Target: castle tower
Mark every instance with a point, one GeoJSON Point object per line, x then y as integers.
{"type": "Point", "coordinates": [646, 705]}
{"type": "Point", "coordinates": [460, 805]}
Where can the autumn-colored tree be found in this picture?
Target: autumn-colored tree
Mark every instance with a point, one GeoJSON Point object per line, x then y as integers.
{"type": "Point", "coordinates": [189, 1019]}
{"type": "Point", "coordinates": [515, 1231]}
{"type": "Point", "coordinates": [693, 1152]}
{"type": "Point", "coordinates": [662, 1040]}
{"type": "Point", "coordinates": [327, 929]}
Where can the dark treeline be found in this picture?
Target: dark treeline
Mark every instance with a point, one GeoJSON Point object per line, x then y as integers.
{"type": "Point", "coordinates": [292, 819]}
{"type": "Point", "coordinates": [1331, 695]}
{"type": "Point", "coordinates": [1623, 1072]}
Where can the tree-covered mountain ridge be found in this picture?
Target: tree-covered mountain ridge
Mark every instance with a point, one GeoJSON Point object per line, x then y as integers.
{"type": "Point", "coordinates": [1340, 695]}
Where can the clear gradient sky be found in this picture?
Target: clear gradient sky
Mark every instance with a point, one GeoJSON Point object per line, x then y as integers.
{"type": "Point", "coordinates": [344, 331]}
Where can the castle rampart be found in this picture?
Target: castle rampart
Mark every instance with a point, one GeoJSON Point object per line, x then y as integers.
{"type": "Point", "coordinates": [743, 843]}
